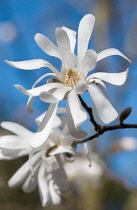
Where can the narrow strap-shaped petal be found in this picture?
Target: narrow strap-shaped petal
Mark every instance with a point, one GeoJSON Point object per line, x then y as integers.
{"type": "Point", "coordinates": [69, 60]}
{"type": "Point", "coordinates": [43, 186]}
{"type": "Point", "coordinates": [105, 110]}
{"type": "Point", "coordinates": [43, 132]}
{"type": "Point", "coordinates": [113, 78]}
{"type": "Point", "coordinates": [31, 183]}
{"type": "Point", "coordinates": [14, 142]}
{"type": "Point", "coordinates": [62, 39]}
{"type": "Point", "coordinates": [28, 64]}
{"type": "Point", "coordinates": [8, 154]}
{"type": "Point", "coordinates": [87, 153]}
{"type": "Point", "coordinates": [89, 62]}
{"type": "Point", "coordinates": [77, 111]}
{"type": "Point", "coordinates": [56, 123]}
{"type": "Point", "coordinates": [23, 172]}
{"type": "Point", "coordinates": [35, 64]}
{"type": "Point", "coordinates": [110, 52]}
{"type": "Point", "coordinates": [53, 97]}
{"type": "Point", "coordinates": [76, 132]}
{"type": "Point", "coordinates": [16, 128]}
{"type": "Point", "coordinates": [72, 37]}
{"type": "Point", "coordinates": [84, 33]}
{"type": "Point", "coordinates": [55, 194]}
{"type": "Point", "coordinates": [60, 177]}
{"type": "Point", "coordinates": [46, 45]}
{"type": "Point", "coordinates": [31, 98]}
{"type": "Point", "coordinates": [43, 88]}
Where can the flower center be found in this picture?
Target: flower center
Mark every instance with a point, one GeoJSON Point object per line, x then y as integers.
{"type": "Point", "coordinates": [71, 78]}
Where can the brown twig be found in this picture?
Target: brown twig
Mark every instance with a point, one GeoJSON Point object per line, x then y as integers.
{"type": "Point", "coordinates": [102, 129]}
{"type": "Point", "coordinates": [89, 110]}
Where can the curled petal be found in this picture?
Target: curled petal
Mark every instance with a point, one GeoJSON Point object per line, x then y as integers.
{"type": "Point", "coordinates": [30, 100]}
{"type": "Point", "coordinates": [53, 97]}
{"type": "Point", "coordinates": [43, 186]}
{"type": "Point", "coordinates": [61, 149]}
{"type": "Point", "coordinates": [105, 110]}
{"type": "Point", "coordinates": [43, 88]}
{"type": "Point", "coordinates": [62, 38]}
{"type": "Point", "coordinates": [81, 87]}
{"type": "Point", "coordinates": [16, 128]}
{"type": "Point", "coordinates": [110, 52]}
{"type": "Point", "coordinates": [72, 37]}
{"type": "Point", "coordinates": [56, 123]}
{"type": "Point", "coordinates": [113, 78]}
{"type": "Point", "coordinates": [43, 132]}
{"type": "Point", "coordinates": [46, 45]}
{"type": "Point", "coordinates": [84, 33]}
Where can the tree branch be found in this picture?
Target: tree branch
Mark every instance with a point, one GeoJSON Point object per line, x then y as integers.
{"type": "Point", "coordinates": [102, 129]}
{"type": "Point", "coordinates": [89, 110]}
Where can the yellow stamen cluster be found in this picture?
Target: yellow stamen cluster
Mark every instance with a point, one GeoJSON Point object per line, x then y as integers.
{"type": "Point", "coordinates": [71, 78]}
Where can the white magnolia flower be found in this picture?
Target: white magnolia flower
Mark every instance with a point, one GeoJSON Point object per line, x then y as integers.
{"type": "Point", "coordinates": [72, 80]}
{"type": "Point", "coordinates": [45, 165]}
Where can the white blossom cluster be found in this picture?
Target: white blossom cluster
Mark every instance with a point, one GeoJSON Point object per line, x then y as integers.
{"type": "Point", "coordinates": [50, 147]}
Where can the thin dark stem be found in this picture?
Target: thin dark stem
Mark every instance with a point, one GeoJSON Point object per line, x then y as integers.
{"type": "Point", "coordinates": [89, 110]}
{"type": "Point", "coordinates": [102, 129]}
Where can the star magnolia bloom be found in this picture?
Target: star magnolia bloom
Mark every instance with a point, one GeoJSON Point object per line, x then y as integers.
{"type": "Point", "coordinates": [46, 172]}
{"type": "Point", "coordinates": [72, 80]}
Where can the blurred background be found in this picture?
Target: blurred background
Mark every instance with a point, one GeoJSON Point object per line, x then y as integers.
{"type": "Point", "coordinates": [114, 186]}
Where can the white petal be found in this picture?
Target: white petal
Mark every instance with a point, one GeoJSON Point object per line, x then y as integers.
{"type": "Point", "coordinates": [77, 111]}
{"type": "Point", "coordinates": [84, 33]}
{"type": "Point", "coordinates": [72, 37]}
{"type": "Point", "coordinates": [14, 142]}
{"type": "Point", "coordinates": [23, 172]}
{"type": "Point", "coordinates": [8, 154]}
{"type": "Point", "coordinates": [17, 129]}
{"type": "Point", "coordinates": [53, 97]}
{"type": "Point", "coordinates": [46, 45]}
{"type": "Point", "coordinates": [113, 78]}
{"type": "Point", "coordinates": [89, 62]}
{"type": "Point", "coordinates": [56, 122]}
{"type": "Point", "coordinates": [99, 82]}
{"type": "Point", "coordinates": [81, 87]}
{"type": "Point", "coordinates": [61, 149]}
{"type": "Point", "coordinates": [62, 39]}
{"type": "Point", "coordinates": [43, 185]}
{"type": "Point", "coordinates": [30, 100]}
{"type": "Point", "coordinates": [69, 60]}
{"type": "Point", "coordinates": [28, 64]}
{"type": "Point", "coordinates": [38, 90]}
{"type": "Point", "coordinates": [60, 177]}
{"type": "Point", "coordinates": [76, 132]}
{"type": "Point", "coordinates": [35, 64]}
{"type": "Point", "coordinates": [31, 183]}
{"type": "Point", "coordinates": [87, 152]}
{"type": "Point", "coordinates": [45, 127]}
{"type": "Point", "coordinates": [54, 193]}
{"type": "Point", "coordinates": [105, 110]}
{"type": "Point", "coordinates": [109, 52]}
